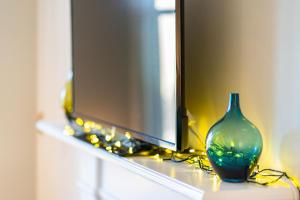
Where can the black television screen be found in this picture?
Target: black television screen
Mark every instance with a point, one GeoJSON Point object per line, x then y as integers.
{"type": "Point", "coordinates": [126, 67]}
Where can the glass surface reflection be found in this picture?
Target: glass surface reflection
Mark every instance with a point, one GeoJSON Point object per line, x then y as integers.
{"type": "Point", "coordinates": [124, 59]}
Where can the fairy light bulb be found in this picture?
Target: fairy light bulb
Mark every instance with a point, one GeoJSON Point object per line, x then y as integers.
{"type": "Point", "coordinates": [69, 130]}
{"type": "Point", "coordinates": [156, 156]}
{"type": "Point", "coordinates": [192, 150]}
{"type": "Point", "coordinates": [79, 121]}
{"type": "Point", "coordinates": [130, 150]}
{"type": "Point", "coordinates": [127, 135]}
{"type": "Point", "coordinates": [94, 139]}
{"type": "Point", "coordinates": [108, 138]}
{"type": "Point", "coordinates": [118, 144]}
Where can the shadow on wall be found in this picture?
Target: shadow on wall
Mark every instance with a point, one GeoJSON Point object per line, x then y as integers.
{"type": "Point", "coordinates": [204, 59]}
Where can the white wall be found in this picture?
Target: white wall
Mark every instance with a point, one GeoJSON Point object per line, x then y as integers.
{"type": "Point", "coordinates": [17, 101]}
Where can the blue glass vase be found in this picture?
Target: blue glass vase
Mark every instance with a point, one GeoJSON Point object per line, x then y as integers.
{"type": "Point", "coordinates": [234, 144]}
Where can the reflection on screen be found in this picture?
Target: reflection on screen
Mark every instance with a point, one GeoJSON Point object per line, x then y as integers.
{"type": "Point", "coordinates": [124, 57]}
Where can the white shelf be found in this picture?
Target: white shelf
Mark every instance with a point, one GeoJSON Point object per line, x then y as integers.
{"type": "Point", "coordinates": [180, 177]}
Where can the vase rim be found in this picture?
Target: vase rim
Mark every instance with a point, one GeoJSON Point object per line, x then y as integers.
{"type": "Point", "coordinates": [234, 93]}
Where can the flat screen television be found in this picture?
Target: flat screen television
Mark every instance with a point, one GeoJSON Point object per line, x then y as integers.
{"type": "Point", "coordinates": [127, 67]}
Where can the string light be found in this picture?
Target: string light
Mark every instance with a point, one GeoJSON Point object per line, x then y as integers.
{"type": "Point", "coordinates": [127, 135]}
{"type": "Point", "coordinates": [118, 144]}
{"type": "Point", "coordinates": [125, 145]}
{"type": "Point", "coordinates": [168, 151]}
{"type": "Point", "coordinates": [94, 139]}
{"type": "Point", "coordinates": [130, 150]}
{"type": "Point", "coordinates": [192, 150]}
{"type": "Point", "coordinates": [79, 121]}
{"type": "Point", "coordinates": [108, 138]}
{"type": "Point", "coordinates": [87, 130]}
{"type": "Point", "coordinates": [69, 131]}
{"type": "Point", "coordinates": [113, 131]}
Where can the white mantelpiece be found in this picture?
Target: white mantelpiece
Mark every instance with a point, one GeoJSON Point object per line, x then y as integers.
{"type": "Point", "coordinates": [146, 178]}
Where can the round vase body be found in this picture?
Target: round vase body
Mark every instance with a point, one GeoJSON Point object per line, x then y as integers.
{"type": "Point", "coordinates": [233, 144]}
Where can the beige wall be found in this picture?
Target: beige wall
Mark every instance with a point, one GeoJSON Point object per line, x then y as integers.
{"type": "Point", "coordinates": [54, 55]}
{"type": "Point", "coordinates": [251, 47]}
{"type": "Point", "coordinates": [235, 52]}
{"type": "Point", "coordinates": [56, 162]}
{"type": "Point", "coordinates": [17, 101]}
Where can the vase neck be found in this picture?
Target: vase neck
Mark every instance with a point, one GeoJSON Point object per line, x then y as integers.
{"type": "Point", "coordinates": [234, 103]}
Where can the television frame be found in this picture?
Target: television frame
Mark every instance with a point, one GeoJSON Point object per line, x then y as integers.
{"type": "Point", "coordinates": [181, 113]}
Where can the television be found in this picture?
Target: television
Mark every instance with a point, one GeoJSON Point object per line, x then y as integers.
{"type": "Point", "coordinates": [127, 60]}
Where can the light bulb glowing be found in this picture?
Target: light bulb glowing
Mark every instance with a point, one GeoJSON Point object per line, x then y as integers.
{"type": "Point", "coordinates": [109, 149]}
{"type": "Point", "coordinates": [130, 151]}
{"type": "Point", "coordinates": [127, 135]}
{"type": "Point", "coordinates": [118, 144]}
{"type": "Point", "coordinates": [192, 150]}
{"type": "Point", "coordinates": [237, 155]}
{"type": "Point", "coordinates": [232, 144]}
{"type": "Point", "coordinates": [79, 121]}
{"type": "Point", "coordinates": [168, 151]}
{"type": "Point", "coordinates": [156, 156]}
{"type": "Point", "coordinates": [69, 130]}
{"type": "Point", "coordinates": [219, 153]}
{"type": "Point", "coordinates": [113, 131]}
{"type": "Point", "coordinates": [94, 139]}
{"type": "Point", "coordinates": [108, 138]}
{"type": "Point", "coordinates": [87, 130]}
